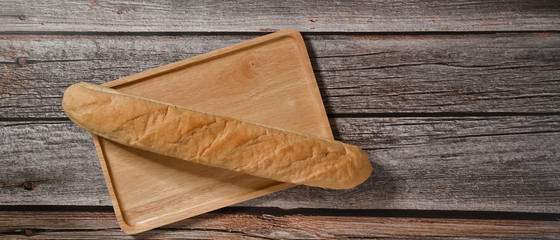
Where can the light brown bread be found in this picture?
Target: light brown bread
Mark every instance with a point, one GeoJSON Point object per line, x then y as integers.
{"type": "Point", "coordinates": [215, 140]}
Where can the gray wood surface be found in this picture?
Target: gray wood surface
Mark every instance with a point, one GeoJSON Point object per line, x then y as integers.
{"type": "Point", "coordinates": [270, 15]}
{"type": "Point", "coordinates": [507, 163]}
{"type": "Point", "coordinates": [80, 225]}
{"type": "Point", "coordinates": [455, 102]}
{"type": "Point", "coordinates": [357, 74]}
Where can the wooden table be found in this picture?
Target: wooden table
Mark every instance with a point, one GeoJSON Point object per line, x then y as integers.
{"type": "Point", "coordinates": [457, 104]}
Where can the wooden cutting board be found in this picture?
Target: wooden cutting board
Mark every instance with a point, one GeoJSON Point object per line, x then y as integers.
{"type": "Point", "coordinates": [268, 80]}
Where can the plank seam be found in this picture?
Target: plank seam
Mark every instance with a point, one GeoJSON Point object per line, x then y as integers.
{"type": "Point", "coordinates": [257, 33]}
{"type": "Point", "coordinates": [273, 211]}
{"type": "Point", "coordinates": [354, 115]}
{"type": "Point", "coordinates": [440, 114]}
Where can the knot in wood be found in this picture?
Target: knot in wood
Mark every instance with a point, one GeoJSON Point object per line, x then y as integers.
{"type": "Point", "coordinates": [28, 186]}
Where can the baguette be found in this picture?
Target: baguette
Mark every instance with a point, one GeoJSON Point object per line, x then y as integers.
{"type": "Point", "coordinates": [215, 140]}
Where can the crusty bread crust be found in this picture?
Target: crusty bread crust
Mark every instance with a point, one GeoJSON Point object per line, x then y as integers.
{"type": "Point", "coordinates": [215, 140]}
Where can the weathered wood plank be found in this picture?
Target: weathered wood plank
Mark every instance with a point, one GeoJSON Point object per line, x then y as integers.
{"type": "Point", "coordinates": [269, 15]}
{"type": "Point", "coordinates": [49, 160]}
{"type": "Point", "coordinates": [82, 225]}
{"type": "Point", "coordinates": [467, 163]}
{"type": "Point", "coordinates": [356, 74]}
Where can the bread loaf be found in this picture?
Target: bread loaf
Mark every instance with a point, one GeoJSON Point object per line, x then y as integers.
{"type": "Point", "coordinates": [215, 140]}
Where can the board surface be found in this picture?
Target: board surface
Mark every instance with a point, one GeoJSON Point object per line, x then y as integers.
{"type": "Point", "coordinates": [267, 80]}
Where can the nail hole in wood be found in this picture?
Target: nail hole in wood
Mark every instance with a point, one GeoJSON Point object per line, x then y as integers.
{"type": "Point", "coordinates": [21, 61]}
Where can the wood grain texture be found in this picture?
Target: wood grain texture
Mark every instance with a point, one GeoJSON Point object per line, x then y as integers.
{"type": "Point", "coordinates": [465, 163]}
{"type": "Point", "coordinates": [356, 74]}
{"type": "Point", "coordinates": [314, 16]}
{"type": "Point", "coordinates": [85, 225]}
{"type": "Point", "coordinates": [371, 58]}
